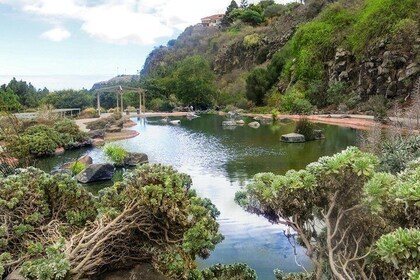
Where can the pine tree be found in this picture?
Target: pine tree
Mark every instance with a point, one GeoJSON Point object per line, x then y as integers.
{"type": "Point", "coordinates": [227, 20]}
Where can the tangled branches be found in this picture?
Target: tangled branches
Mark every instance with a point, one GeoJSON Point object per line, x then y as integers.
{"type": "Point", "coordinates": [151, 216]}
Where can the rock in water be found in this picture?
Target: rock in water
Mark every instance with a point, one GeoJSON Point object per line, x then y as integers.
{"type": "Point", "coordinates": [134, 159]}
{"type": "Point", "coordinates": [96, 172]}
{"type": "Point", "coordinates": [229, 123]}
{"type": "Point", "coordinates": [254, 124]}
{"type": "Point", "coordinates": [293, 138]}
{"type": "Point", "coordinates": [318, 134]}
{"type": "Point", "coordinates": [240, 122]}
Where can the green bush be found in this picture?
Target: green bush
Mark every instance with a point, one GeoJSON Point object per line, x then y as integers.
{"type": "Point", "coordinates": [294, 101]}
{"type": "Point", "coordinates": [257, 86]}
{"type": "Point", "coordinates": [236, 271]}
{"type": "Point", "coordinates": [42, 140]}
{"type": "Point", "coordinates": [335, 93]}
{"type": "Point", "coordinates": [116, 154]}
{"type": "Point", "coordinates": [251, 41]}
{"type": "Point", "coordinates": [69, 129]}
{"type": "Point", "coordinates": [401, 249]}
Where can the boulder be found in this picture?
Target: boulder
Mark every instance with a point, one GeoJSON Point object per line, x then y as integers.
{"type": "Point", "coordinates": [59, 151]}
{"type": "Point", "coordinates": [292, 138]}
{"type": "Point", "coordinates": [61, 171]}
{"type": "Point", "coordinates": [229, 123]}
{"type": "Point", "coordinates": [318, 134]}
{"type": "Point", "coordinates": [254, 124]}
{"type": "Point", "coordinates": [98, 142]}
{"type": "Point", "coordinates": [86, 160]}
{"type": "Point", "coordinates": [96, 172]}
{"type": "Point", "coordinates": [98, 133]}
{"type": "Point", "coordinates": [15, 275]}
{"type": "Point", "coordinates": [240, 122]}
{"type": "Point", "coordinates": [134, 159]}
{"type": "Point", "coordinates": [113, 129]}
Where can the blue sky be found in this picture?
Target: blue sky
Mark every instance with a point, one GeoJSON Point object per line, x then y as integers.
{"type": "Point", "coordinates": [74, 43]}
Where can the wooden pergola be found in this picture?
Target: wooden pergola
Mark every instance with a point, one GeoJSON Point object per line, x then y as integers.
{"type": "Point", "coordinates": [119, 91]}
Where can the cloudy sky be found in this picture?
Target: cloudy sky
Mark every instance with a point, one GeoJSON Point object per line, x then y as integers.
{"type": "Point", "coordinates": [74, 43]}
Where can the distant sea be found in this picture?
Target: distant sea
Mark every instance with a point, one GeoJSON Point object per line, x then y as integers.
{"type": "Point", "coordinates": [58, 82]}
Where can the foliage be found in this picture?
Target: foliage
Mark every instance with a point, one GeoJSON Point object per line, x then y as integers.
{"type": "Point", "coordinates": [236, 271]}
{"type": "Point", "coordinates": [41, 139]}
{"type": "Point", "coordinates": [227, 19]}
{"type": "Point", "coordinates": [52, 230]}
{"type": "Point", "coordinates": [9, 101]}
{"type": "Point", "coordinates": [401, 249]}
{"type": "Point", "coordinates": [77, 167]}
{"type": "Point", "coordinates": [257, 85]}
{"type": "Point", "coordinates": [335, 93]}
{"type": "Point", "coordinates": [31, 200]}
{"type": "Point", "coordinates": [378, 18]}
{"type": "Point", "coordinates": [306, 128]}
{"type": "Point", "coordinates": [70, 131]}
{"type": "Point", "coordinates": [115, 153]}
{"type": "Point", "coordinates": [397, 152]}
{"type": "Point", "coordinates": [89, 112]}
{"type": "Point", "coordinates": [70, 98]}
{"type": "Point", "coordinates": [28, 95]}
{"type": "Point", "coordinates": [294, 101]}
{"type": "Point", "coordinates": [352, 205]}
{"type": "Point", "coordinates": [251, 41]}
{"type": "Point", "coordinates": [250, 16]}
{"type": "Point", "coordinates": [53, 267]}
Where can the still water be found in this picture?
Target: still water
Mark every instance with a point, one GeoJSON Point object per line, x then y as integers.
{"type": "Point", "coordinates": [221, 162]}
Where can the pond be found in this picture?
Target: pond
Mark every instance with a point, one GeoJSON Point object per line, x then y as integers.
{"type": "Point", "coordinates": [221, 161]}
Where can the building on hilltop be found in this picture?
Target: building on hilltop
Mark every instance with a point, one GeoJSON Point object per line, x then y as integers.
{"type": "Point", "coordinates": [214, 20]}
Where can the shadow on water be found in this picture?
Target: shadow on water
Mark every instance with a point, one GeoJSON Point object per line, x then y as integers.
{"type": "Point", "coordinates": [220, 162]}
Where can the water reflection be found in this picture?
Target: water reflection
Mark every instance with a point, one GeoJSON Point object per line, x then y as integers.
{"type": "Point", "coordinates": [220, 162]}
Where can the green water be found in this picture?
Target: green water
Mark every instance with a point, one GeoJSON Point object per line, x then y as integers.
{"type": "Point", "coordinates": [220, 162]}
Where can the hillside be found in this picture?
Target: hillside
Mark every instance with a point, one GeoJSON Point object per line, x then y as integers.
{"type": "Point", "coordinates": [323, 55]}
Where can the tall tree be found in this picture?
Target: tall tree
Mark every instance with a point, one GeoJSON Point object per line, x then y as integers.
{"type": "Point", "coordinates": [9, 101]}
{"type": "Point", "coordinates": [227, 19]}
{"type": "Point", "coordinates": [244, 4]}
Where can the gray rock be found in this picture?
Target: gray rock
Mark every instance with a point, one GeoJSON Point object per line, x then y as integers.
{"type": "Point", "coordinates": [319, 134]}
{"type": "Point", "coordinates": [61, 171]}
{"type": "Point", "coordinates": [96, 172]}
{"type": "Point", "coordinates": [15, 275]}
{"type": "Point", "coordinates": [86, 160]}
{"type": "Point", "coordinates": [254, 124]}
{"type": "Point", "coordinates": [134, 159]}
{"type": "Point", "coordinates": [98, 133]}
{"type": "Point", "coordinates": [113, 129]}
{"type": "Point", "coordinates": [240, 122]}
{"type": "Point", "coordinates": [292, 138]}
{"type": "Point", "coordinates": [229, 123]}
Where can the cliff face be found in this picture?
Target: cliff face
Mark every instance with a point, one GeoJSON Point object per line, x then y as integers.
{"type": "Point", "coordinates": [386, 65]}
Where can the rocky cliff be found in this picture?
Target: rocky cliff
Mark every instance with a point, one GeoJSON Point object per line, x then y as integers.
{"type": "Point", "coordinates": [355, 43]}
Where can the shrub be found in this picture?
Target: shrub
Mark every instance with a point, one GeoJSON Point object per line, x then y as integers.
{"type": "Point", "coordinates": [116, 154]}
{"type": "Point", "coordinates": [89, 113]}
{"type": "Point", "coordinates": [251, 41]}
{"type": "Point", "coordinates": [42, 140]}
{"type": "Point", "coordinates": [335, 93]}
{"type": "Point", "coordinates": [70, 130]}
{"type": "Point", "coordinates": [306, 128]}
{"type": "Point", "coordinates": [399, 248]}
{"type": "Point", "coordinates": [236, 271]}
{"type": "Point", "coordinates": [274, 10]}
{"type": "Point", "coordinates": [294, 101]}
{"type": "Point", "coordinates": [252, 17]}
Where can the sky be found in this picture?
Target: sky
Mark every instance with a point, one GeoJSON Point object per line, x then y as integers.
{"type": "Point", "coordinates": [62, 44]}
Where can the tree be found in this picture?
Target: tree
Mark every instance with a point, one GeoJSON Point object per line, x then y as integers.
{"type": "Point", "coordinates": [28, 96]}
{"type": "Point", "coordinates": [227, 19]}
{"type": "Point", "coordinates": [339, 208]}
{"type": "Point", "coordinates": [244, 4]}
{"type": "Point", "coordinates": [9, 101]}
{"type": "Point", "coordinates": [257, 85]}
{"type": "Point", "coordinates": [193, 82]}
{"type": "Point", "coordinates": [251, 16]}
{"type": "Point", "coordinates": [69, 98]}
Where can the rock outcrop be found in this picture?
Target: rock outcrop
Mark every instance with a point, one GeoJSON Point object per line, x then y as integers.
{"type": "Point", "coordinates": [292, 138]}
{"type": "Point", "coordinates": [134, 159]}
{"type": "Point", "coordinates": [96, 172]}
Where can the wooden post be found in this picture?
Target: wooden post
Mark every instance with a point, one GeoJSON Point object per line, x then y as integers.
{"type": "Point", "coordinates": [118, 105]}
{"type": "Point", "coordinates": [140, 101]}
{"type": "Point", "coordinates": [144, 101]}
{"type": "Point", "coordinates": [98, 104]}
{"type": "Point", "coordinates": [122, 104]}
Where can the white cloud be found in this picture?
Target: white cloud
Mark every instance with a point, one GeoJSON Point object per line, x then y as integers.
{"type": "Point", "coordinates": [124, 21]}
{"type": "Point", "coordinates": [57, 34]}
